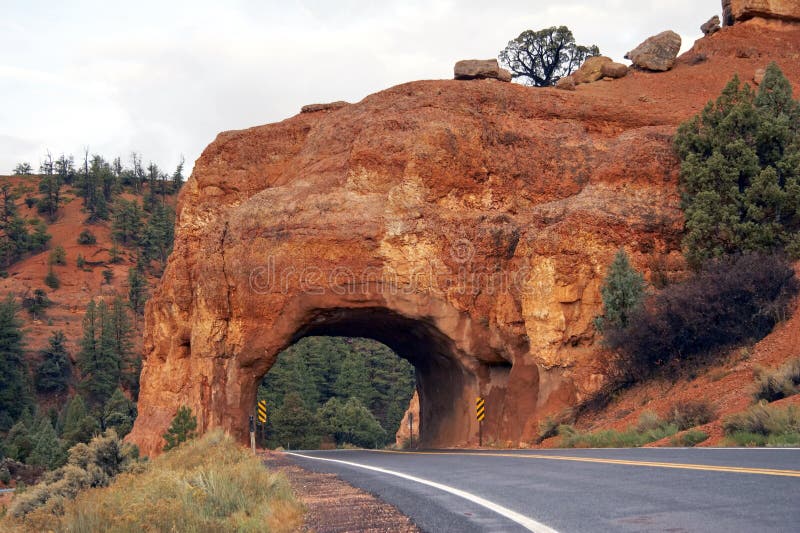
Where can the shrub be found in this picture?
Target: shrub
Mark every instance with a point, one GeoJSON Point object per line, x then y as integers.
{"type": "Point", "coordinates": [87, 237]}
{"type": "Point", "coordinates": [58, 256]}
{"type": "Point", "coordinates": [80, 262]}
{"type": "Point", "coordinates": [690, 413]}
{"type": "Point", "coordinates": [181, 429]}
{"type": "Point", "coordinates": [772, 385]}
{"type": "Point", "coordinates": [92, 465]}
{"type": "Point", "coordinates": [729, 302]}
{"type": "Point", "coordinates": [51, 280]}
{"type": "Point", "coordinates": [108, 275]}
{"type": "Point", "coordinates": [764, 425]}
{"type": "Point", "coordinates": [5, 475]}
{"type": "Point", "coordinates": [690, 438]}
{"type": "Point", "coordinates": [649, 429]}
{"type": "Point", "coordinates": [210, 484]}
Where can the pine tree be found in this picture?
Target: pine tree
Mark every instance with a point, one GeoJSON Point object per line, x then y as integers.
{"type": "Point", "coordinates": [137, 290]}
{"type": "Point", "coordinates": [14, 395]}
{"type": "Point", "coordinates": [177, 176]}
{"type": "Point", "coordinates": [127, 225]}
{"type": "Point", "coordinates": [54, 372]}
{"type": "Point", "coordinates": [353, 380]}
{"type": "Point", "coordinates": [622, 292]}
{"type": "Point", "coordinates": [181, 429]}
{"type": "Point", "coordinates": [48, 451]}
{"type": "Point", "coordinates": [19, 441]}
{"type": "Point", "coordinates": [79, 425]}
{"type": "Point", "coordinates": [119, 413]}
{"type": "Point", "coordinates": [98, 359]}
{"type": "Point", "coordinates": [294, 425]}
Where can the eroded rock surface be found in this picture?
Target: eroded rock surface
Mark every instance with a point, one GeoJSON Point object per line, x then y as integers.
{"type": "Point", "coordinates": [466, 225]}
{"type": "Point", "coordinates": [734, 11]}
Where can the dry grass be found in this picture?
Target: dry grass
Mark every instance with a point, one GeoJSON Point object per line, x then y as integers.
{"type": "Point", "coordinates": [210, 484]}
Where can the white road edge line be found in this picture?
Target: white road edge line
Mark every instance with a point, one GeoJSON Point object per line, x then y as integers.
{"type": "Point", "coordinates": [528, 523]}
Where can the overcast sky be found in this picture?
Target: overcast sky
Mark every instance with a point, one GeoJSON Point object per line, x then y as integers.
{"type": "Point", "coordinates": [163, 78]}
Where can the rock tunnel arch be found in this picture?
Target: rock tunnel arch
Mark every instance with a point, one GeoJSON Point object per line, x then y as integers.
{"type": "Point", "coordinates": [529, 184]}
{"type": "Point", "coordinates": [445, 380]}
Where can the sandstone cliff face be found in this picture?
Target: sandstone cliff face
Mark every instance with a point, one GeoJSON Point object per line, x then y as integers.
{"type": "Point", "coordinates": [740, 10]}
{"type": "Point", "coordinates": [467, 225]}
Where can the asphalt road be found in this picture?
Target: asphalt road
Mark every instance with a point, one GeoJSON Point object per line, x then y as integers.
{"type": "Point", "coordinates": [652, 489]}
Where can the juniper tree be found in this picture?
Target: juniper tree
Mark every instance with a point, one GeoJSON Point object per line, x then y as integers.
{"type": "Point", "coordinates": [541, 58]}
{"type": "Point", "coordinates": [79, 425]}
{"type": "Point", "coordinates": [622, 293]}
{"type": "Point", "coordinates": [740, 171]}
{"type": "Point", "coordinates": [119, 413]}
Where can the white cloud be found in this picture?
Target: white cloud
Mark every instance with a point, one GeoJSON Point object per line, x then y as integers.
{"type": "Point", "coordinates": [163, 78]}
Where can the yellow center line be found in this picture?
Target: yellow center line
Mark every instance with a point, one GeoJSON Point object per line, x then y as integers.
{"type": "Point", "coordinates": [654, 464]}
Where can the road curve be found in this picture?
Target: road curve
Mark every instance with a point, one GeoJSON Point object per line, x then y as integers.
{"type": "Point", "coordinates": [640, 489]}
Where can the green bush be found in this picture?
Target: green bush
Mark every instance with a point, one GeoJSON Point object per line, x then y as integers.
{"type": "Point", "coordinates": [649, 429]}
{"type": "Point", "coordinates": [622, 292]}
{"type": "Point", "coordinates": [92, 465]}
{"type": "Point", "coordinates": [772, 385]}
{"type": "Point", "coordinates": [690, 438]}
{"type": "Point", "coordinates": [51, 280]}
{"type": "Point", "coordinates": [58, 256]}
{"type": "Point", "coordinates": [87, 237]}
{"type": "Point", "coordinates": [181, 429]}
{"type": "Point", "coordinates": [764, 425]}
{"type": "Point", "coordinates": [690, 413]}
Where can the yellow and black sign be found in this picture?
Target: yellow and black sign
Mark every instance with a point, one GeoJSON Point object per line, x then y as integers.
{"type": "Point", "coordinates": [262, 411]}
{"type": "Point", "coordinates": [480, 409]}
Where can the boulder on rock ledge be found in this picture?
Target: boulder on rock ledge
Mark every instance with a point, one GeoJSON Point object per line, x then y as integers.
{"type": "Point", "coordinates": [591, 70]}
{"type": "Point", "coordinates": [614, 70]}
{"type": "Point", "coordinates": [711, 26]}
{"type": "Point", "coordinates": [657, 52]}
{"type": "Point", "coordinates": [472, 69]}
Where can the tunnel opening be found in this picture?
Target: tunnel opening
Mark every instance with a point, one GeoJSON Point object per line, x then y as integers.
{"type": "Point", "coordinates": [444, 381]}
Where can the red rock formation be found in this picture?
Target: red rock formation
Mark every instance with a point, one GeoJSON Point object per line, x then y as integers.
{"type": "Point", "coordinates": [740, 10]}
{"type": "Point", "coordinates": [467, 225]}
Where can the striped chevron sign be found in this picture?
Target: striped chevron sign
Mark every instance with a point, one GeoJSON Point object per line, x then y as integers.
{"type": "Point", "coordinates": [480, 409]}
{"type": "Point", "coordinates": [262, 411]}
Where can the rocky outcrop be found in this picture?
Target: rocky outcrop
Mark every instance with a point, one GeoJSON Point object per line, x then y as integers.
{"type": "Point", "coordinates": [331, 106]}
{"type": "Point", "coordinates": [409, 423]}
{"type": "Point", "coordinates": [734, 11]}
{"type": "Point", "coordinates": [657, 53]}
{"type": "Point", "coordinates": [478, 69]}
{"type": "Point", "coordinates": [711, 27]}
{"type": "Point", "coordinates": [614, 70]}
{"type": "Point", "coordinates": [591, 70]}
{"type": "Point", "coordinates": [468, 226]}
{"type": "Point", "coordinates": [567, 83]}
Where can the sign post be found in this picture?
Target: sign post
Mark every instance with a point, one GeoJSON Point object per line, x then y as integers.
{"type": "Point", "coordinates": [252, 434]}
{"type": "Point", "coordinates": [480, 414]}
{"type": "Point", "coordinates": [411, 429]}
{"type": "Point", "coordinates": [262, 419]}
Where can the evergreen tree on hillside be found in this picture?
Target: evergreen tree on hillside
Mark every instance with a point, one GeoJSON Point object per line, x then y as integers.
{"type": "Point", "coordinates": [353, 380]}
{"type": "Point", "coordinates": [137, 290]}
{"type": "Point", "coordinates": [47, 451]}
{"type": "Point", "coordinates": [98, 360]}
{"type": "Point", "coordinates": [65, 168]}
{"type": "Point", "coordinates": [622, 292]}
{"type": "Point", "coordinates": [127, 225]}
{"type": "Point", "coordinates": [14, 395]}
{"type": "Point", "coordinates": [119, 413]}
{"type": "Point", "coordinates": [54, 371]}
{"type": "Point", "coordinates": [19, 441]}
{"type": "Point", "coordinates": [50, 188]}
{"type": "Point", "coordinates": [350, 422]}
{"type": "Point", "coordinates": [294, 425]}
{"type": "Point", "coordinates": [159, 234]}
{"type": "Point", "coordinates": [79, 425]}
{"type": "Point", "coordinates": [740, 171]}
{"type": "Point", "coordinates": [177, 176]}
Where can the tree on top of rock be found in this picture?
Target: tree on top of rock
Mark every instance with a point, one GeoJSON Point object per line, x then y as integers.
{"type": "Point", "coordinates": [541, 58]}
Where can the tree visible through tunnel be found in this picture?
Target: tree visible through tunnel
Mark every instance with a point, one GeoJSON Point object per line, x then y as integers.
{"type": "Point", "coordinates": [334, 391]}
